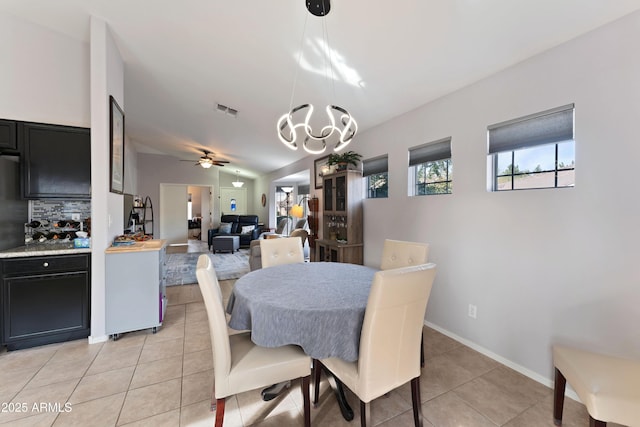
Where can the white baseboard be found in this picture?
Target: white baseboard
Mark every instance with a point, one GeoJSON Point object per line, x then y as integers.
{"type": "Point", "coordinates": [518, 368]}
{"type": "Point", "coordinates": [96, 340]}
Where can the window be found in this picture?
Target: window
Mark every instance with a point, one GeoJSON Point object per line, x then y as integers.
{"type": "Point", "coordinates": [430, 168]}
{"type": "Point", "coordinates": [284, 200]}
{"type": "Point", "coordinates": [535, 151]}
{"type": "Point", "coordinates": [376, 172]}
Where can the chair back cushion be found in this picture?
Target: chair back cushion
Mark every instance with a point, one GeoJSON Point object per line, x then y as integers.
{"type": "Point", "coordinates": [302, 234]}
{"type": "Point", "coordinates": [212, 296]}
{"type": "Point", "coordinates": [229, 218]}
{"type": "Point", "coordinates": [397, 254]}
{"type": "Point", "coordinates": [248, 220]}
{"type": "Point", "coordinates": [281, 251]}
{"type": "Point", "coordinates": [392, 329]}
{"type": "Point", "coordinates": [283, 225]}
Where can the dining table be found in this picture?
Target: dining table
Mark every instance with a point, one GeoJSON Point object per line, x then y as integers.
{"type": "Point", "coordinates": [318, 306]}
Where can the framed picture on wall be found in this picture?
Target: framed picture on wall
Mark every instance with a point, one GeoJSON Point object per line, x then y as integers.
{"type": "Point", "coordinates": [116, 154]}
{"type": "Point", "coordinates": [320, 167]}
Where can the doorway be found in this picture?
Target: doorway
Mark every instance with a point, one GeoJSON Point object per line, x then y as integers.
{"type": "Point", "coordinates": [175, 215]}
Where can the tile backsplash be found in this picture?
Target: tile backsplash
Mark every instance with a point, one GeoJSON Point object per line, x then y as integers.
{"type": "Point", "coordinates": [58, 209]}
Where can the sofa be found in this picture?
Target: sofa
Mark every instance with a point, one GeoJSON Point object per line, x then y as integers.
{"type": "Point", "coordinates": [232, 225]}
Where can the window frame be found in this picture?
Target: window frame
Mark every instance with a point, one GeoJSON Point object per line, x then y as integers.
{"type": "Point", "coordinates": [448, 181]}
{"type": "Point", "coordinates": [550, 127]}
{"type": "Point", "coordinates": [375, 167]}
{"type": "Point", "coordinates": [425, 156]}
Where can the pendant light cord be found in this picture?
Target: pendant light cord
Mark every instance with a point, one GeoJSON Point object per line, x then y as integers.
{"type": "Point", "coordinates": [328, 52]}
{"type": "Point", "coordinates": [295, 76]}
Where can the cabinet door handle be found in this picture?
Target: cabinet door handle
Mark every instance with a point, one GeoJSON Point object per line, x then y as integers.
{"type": "Point", "coordinates": [45, 264]}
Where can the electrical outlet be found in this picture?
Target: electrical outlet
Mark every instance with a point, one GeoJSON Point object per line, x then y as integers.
{"type": "Point", "coordinates": [75, 216]}
{"type": "Point", "coordinates": [473, 311]}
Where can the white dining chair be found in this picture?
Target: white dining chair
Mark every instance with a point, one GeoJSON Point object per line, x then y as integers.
{"type": "Point", "coordinates": [608, 386]}
{"type": "Point", "coordinates": [389, 340]}
{"type": "Point", "coordinates": [239, 365]}
{"type": "Point", "coordinates": [398, 253]}
{"type": "Point", "coordinates": [281, 251]}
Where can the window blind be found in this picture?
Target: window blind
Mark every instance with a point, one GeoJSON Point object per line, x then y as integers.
{"type": "Point", "coordinates": [430, 152]}
{"type": "Point", "coordinates": [375, 166]}
{"type": "Point", "coordinates": [546, 127]}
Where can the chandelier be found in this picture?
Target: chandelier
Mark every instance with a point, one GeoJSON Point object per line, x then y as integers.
{"type": "Point", "coordinates": [237, 183]}
{"type": "Point", "coordinates": [295, 127]}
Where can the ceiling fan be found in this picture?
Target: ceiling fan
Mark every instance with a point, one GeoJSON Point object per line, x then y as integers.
{"type": "Point", "coordinates": [207, 160]}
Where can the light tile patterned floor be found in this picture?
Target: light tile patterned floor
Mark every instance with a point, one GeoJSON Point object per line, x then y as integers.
{"type": "Point", "coordinates": [165, 379]}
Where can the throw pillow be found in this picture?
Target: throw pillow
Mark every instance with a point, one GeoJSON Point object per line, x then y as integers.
{"type": "Point", "coordinates": [247, 229]}
{"type": "Point", "coordinates": [225, 227]}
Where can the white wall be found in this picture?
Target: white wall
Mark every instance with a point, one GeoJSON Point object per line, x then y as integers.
{"type": "Point", "coordinates": [107, 78]}
{"type": "Point", "coordinates": [52, 78]}
{"type": "Point", "coordinates": [542, 266]}
{"type": "Point", "coordinates": [45, 75]}
{"type": "Point", "coordinates": [155, 169]}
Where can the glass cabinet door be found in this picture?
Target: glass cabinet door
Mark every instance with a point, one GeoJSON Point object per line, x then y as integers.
{"type": "Point", "coordinates": [341, 193]}
{"type": "Point", "coordinates": [327, 188]}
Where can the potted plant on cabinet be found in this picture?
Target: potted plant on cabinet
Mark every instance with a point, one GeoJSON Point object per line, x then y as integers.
{"type": "Point", "coordinates": [342, 161]}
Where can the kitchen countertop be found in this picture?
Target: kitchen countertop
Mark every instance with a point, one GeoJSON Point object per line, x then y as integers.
{"type": "Point", "coordinates": [43, 249]}
{"type": "Point", "coordinates": [147, 245]}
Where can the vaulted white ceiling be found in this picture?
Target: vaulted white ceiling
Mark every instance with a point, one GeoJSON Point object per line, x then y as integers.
{"type": "Point", "coordinates": [184, 57]}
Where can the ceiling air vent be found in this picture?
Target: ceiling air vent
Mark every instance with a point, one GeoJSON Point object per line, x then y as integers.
{"type": "Point", "coordinates": [226, 110]}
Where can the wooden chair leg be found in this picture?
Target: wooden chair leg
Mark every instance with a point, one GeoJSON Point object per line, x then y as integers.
{"type": "Point", "coordinates": [219, 412]}
{"type": "Point", "coordinates": [422, 351]}
{"type": "Point", "coordinates": [305, 400]}
{"type": "Point", "coordinates": [596, 423]}
{"type": "Point", "coordinates": [316, 367]}
{"type": "Point", "coordinates": [365, 414]}
{"type": "Point", "coordinates": [558, 397]}
{"type": "Point", "coordinates": [416, 402]}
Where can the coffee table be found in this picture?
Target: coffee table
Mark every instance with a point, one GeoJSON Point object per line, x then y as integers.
{"type": "Point", "coordinates": [225, 243]}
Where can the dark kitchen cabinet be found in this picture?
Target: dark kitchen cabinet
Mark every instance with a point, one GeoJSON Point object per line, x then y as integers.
{"type": "Point", "coordinates": [55, 161]}
{"type": "Point", "coordinates": [8, 137]}
{"type": "Point", "coordinates": [45, 299]}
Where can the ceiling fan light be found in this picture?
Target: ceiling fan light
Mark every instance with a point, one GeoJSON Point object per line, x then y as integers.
{"type": "Point", "coordinates": [206, 164]}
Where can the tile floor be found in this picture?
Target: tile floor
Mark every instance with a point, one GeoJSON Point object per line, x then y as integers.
{"type": "Point", "coordinates": [165, 379]}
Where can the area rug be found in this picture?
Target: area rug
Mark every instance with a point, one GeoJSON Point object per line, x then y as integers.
{"type": "Point", "coordinates": [181, 268]}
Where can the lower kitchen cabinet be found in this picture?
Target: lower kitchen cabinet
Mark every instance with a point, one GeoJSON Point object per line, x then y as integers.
{"type": "Point", "coordinates": [135, 287]}
{"type": "Point", "coordinates": [45, 299]}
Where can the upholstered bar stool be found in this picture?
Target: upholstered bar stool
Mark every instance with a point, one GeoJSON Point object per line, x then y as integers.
{"type": "Point", "coordinates": [608, 386]}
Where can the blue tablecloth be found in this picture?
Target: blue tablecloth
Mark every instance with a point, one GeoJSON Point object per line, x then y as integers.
{"type": "Point", "coordinates": [318, 306]}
